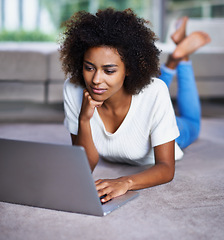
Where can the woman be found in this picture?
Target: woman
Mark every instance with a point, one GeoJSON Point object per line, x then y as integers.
{"type": "Point", "coordinates": [114, 106]}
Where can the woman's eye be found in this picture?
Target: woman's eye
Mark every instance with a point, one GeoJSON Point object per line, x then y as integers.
{"type": "Point", "coordinates": [88, 68]}
{"type": "Point", "coordinates": [110, 71]}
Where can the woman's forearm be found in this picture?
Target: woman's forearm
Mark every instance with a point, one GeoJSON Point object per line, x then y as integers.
{"type": "Point", "coordinates": [162, 172]}
{"type": "Point", "coordinates": [84, 139]}
{"type": "Point", "coordinates": [158, 174]}
{"type": "Point", "coordinates": [111, 188]}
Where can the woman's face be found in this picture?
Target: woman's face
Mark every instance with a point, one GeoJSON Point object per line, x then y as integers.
{"type": "Point", "coordinates": [103, 72]}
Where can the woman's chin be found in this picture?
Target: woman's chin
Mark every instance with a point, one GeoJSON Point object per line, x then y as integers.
{"type": "Point", "coordinates": [97, 97]}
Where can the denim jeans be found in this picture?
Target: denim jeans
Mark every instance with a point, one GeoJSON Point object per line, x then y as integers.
{"type": "Point", "coordinates": [188, 101]}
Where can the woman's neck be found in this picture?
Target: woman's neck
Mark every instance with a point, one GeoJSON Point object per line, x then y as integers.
{"type": "Point", "coordinates": [114, 110]}
{"type": "Point", "coordinates": [121, 100]}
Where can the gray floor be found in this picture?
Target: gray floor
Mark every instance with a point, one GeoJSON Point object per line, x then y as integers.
{"type": "Point", "coordinates": [189, 207]}
{"type": "Point", "coordinates": [31, 112]}
{"type": "Point", "coordinates": [53, 113]}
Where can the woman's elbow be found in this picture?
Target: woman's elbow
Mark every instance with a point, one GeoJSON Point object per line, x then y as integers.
{"type": "Point", "coordinates": [171, 173]}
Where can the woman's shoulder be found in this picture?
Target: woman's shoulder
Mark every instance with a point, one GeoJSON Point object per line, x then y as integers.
{"type": "Point", "coordinates": [155, 88]}
{"type": "Point", "coordinates": [151, 96]}
{"type": "Point", "coordinates": [72, 88]}
{"type": "Point", "coordinates": [72, 93]}
{"type": "Point", "coordinates": [157, 84]}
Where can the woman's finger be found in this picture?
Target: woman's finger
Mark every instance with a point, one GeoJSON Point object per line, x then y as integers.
{"type": "Point", "coordinates": [98, 181]}
{"type": "Point", "coordinates": [101, 185]}
{"type": "Point", "coordinates": [110, 188]}
{"type": "Point", "coordinates": [107, 198]}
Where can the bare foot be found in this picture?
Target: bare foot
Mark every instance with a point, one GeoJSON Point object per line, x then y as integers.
{"type": "Point", "coordinates": [190, 44]}
{"type": "Point", "coordinates": [180, 32]}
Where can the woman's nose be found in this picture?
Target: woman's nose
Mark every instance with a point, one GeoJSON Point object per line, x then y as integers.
{"type": "Point", "coordinates": [97, 77]}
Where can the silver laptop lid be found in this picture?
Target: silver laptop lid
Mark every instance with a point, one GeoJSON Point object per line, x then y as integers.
{"type": "Point", "coordinates": [47, 175]}
{"type": "Point", "coordinates": [51, 176]}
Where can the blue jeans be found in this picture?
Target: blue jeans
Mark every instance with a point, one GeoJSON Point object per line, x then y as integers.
{"type": "Point", "coordinates": [188, 102]}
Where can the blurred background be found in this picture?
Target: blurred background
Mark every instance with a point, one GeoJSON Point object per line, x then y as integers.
{"type": "Point", "coordinates": [40, 20]}
{"type": "Point", "coordinates": [31, 80]}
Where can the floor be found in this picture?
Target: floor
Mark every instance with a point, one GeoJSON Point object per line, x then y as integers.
{"type": "Point", "coordinates": [11, 112]}
{"type": "Point", "coordinates": [47, 113]}
{"type": "Point", "coordinates": [188, 208]}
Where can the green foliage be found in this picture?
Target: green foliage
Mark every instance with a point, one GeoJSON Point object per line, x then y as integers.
{"type": "Point", "coordinates": [62, 10]}
{"type": "Point", "coordinates": [27, 36]}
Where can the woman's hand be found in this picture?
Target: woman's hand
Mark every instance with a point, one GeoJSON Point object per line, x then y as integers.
{"type": "Point", "coordinates": [88, 106]}
{"type": "Point", "coordinates": [112, 187]}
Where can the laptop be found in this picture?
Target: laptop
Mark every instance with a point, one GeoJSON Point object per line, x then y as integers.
{"type": "Point", "coordinates": [51, 176]}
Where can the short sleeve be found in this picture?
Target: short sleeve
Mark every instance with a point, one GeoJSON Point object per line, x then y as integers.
{"type": "Point", "coordinates": [164, 127]}
{"type": "Point", "coordinates": [72, 106]}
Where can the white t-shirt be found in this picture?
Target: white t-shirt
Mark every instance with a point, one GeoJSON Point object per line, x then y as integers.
{"type": "Point", "coordinates": [149, 122]}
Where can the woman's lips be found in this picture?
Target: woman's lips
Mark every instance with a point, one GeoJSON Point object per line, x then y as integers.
{"type": "Point", "coordinates": [98, 90]}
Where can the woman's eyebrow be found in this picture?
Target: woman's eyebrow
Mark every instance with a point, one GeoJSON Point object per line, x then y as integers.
{"type": "Point", "coordinates": [110, 65]}
{"type": "Point", "coordinates": [106, 65]}
{"type": "Point", "coordinates": [88, 62]}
